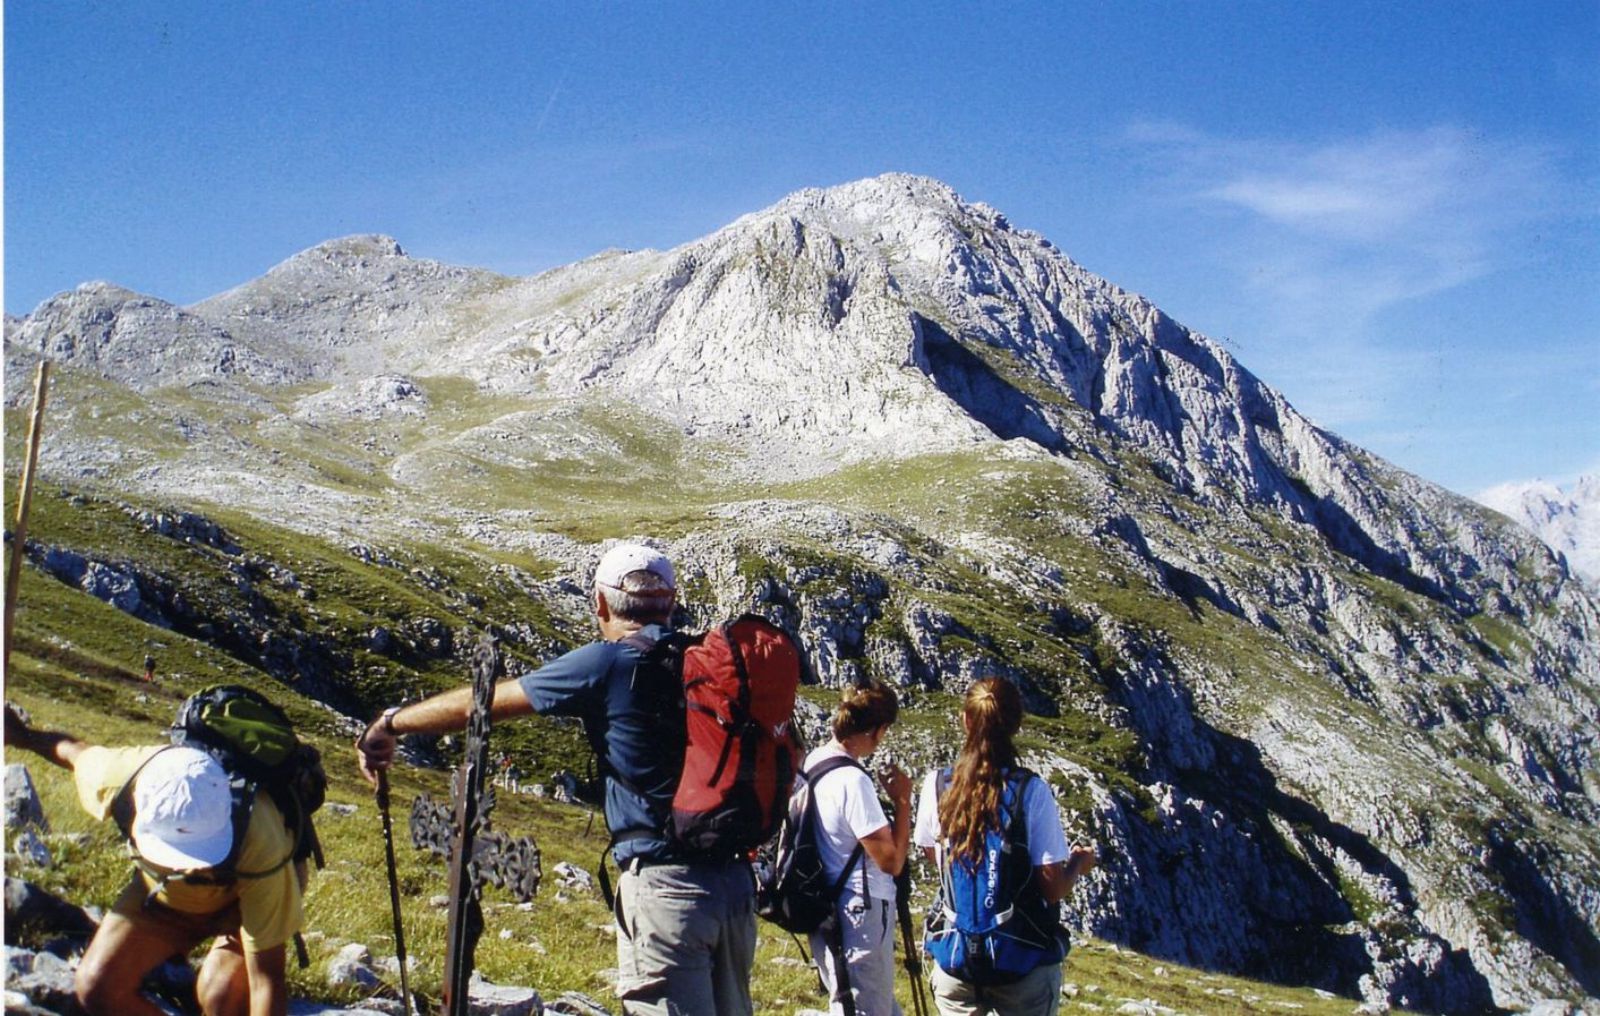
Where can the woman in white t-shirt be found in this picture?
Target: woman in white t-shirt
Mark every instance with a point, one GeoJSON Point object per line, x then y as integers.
{"type": "Point", "coordinates": [964, 810]}
{"type": "Point", "coordinates": [848, 816]}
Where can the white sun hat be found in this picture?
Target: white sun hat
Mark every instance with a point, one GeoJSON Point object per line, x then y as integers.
{"type": "Point", "coordinates": [183, 810]}
{"type": "Point", "coordinates": [617, 562]}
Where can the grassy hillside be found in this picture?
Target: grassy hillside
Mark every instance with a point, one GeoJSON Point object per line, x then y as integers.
{"type": "Point", "coordinates": [561, 943]}
{"type": "Point", "coordinates": [77, 666]}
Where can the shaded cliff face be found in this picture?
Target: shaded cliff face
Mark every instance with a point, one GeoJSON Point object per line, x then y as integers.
{"type": "Point", "coordinates": [1343, 722]}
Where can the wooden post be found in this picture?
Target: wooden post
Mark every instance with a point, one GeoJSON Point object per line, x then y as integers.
{"type": "Point", "coordinates": [19, 539]}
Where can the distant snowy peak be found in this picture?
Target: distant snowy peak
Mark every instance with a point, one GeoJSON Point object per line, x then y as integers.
{"type": "Point", "coordinates": [1569, 521]}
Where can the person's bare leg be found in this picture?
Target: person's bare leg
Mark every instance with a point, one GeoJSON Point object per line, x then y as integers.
{"type": "Point", "coordinates": [119, 956]}
{"type": "Point", "coordinates": [224, 982]}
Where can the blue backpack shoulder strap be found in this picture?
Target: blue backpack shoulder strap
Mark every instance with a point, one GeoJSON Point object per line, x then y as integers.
{"type": "Point", "coordinates": [1016, 825]}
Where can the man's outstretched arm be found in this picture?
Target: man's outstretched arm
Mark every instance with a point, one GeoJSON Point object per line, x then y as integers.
{"type": "Point", "coordinates": [444, 713]}
{"type": "Point", "coordinates": [52, 746]}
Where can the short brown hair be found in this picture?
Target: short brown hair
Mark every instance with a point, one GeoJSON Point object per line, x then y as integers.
{"type": "Point", "coordinates": [864, 708]}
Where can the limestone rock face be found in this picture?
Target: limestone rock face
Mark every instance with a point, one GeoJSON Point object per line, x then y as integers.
{"type": "Point", "coordinates": [140, 341]}
{"type": "Point", "coordinates": [1342, 724]}
{"type": "Point", "coordinates": [342, 309]}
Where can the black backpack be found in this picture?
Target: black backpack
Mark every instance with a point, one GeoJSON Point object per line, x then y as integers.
{"type": "Point", "coordinates": [792, 890]}
{"type": "Point", "coordinates": [255, 743]}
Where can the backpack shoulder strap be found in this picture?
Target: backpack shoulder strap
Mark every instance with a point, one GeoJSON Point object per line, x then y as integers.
{"type": "Point", "coordinates": [654, 653]}
{"type": "Point", "coordinates": [828, 765]}
{"type": "Point", "coordinates": [122, 805]}
{"type": "Point", "coordinates": [1016, 829]}
{"type": "Point", "coordinates": [640, 641]}
{"type": "Point", "coordinates": [857, 856]}
{"type": "Point", "coordinates": [298, 827]}
{"type": "Point", "coordinates": [813, 776]}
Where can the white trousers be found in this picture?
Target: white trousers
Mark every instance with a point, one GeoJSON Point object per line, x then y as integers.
{"type": "Point", "coordinates": [869, 951]}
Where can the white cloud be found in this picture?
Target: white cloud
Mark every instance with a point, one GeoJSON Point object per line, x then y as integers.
{"type": "Point", "coordinates": [1294, 201]}
{"type": "Point", "coordinates": [1310, 244]}
{"type": "Point", "coordinates": [1385, 217]}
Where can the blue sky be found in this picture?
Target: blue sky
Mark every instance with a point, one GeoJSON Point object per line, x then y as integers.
{"type": "Point", "coordinates": [1389, 211]}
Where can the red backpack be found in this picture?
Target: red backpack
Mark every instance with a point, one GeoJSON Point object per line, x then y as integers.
{"type": "Point", "coordinates": [739, 683]}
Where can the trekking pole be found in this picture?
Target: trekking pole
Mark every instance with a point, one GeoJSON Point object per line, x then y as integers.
{"type": "Point", "coordinates": [19, 539]}
{"type": "Point", "coordinates": [472, 805]}
{"type": "Point", "coordinates": [913, 961]}
{"type": "Point", "coordinates": [394, 888]}
{"type": "Point", "coordinates": [845, 995]}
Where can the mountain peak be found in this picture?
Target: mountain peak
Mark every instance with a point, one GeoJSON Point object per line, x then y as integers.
{"type": "Point", "coordinates": [1566, 520]}
{"type": "Point", "coordinates": [881, 207]}
{"type": "Point", "coordinates": [355, 252]}
{"type": "Point", "coordinates": [358, 245]}
{"type": "Point", "coordinates": [95, 293]}
{"type": "Point", "coordinates": [100, 290]}
{"type": "Point", "coordinates": [886, 189]}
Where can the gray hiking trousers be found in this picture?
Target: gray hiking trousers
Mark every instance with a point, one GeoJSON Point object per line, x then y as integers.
{"type": "Point", "coordinates": [686, 939]}
{"type": "Point", "coordinates": [1037, 994]}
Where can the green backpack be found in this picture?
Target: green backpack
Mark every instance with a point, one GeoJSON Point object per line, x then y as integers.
{"type": "Point", "coordinates": [256, 745]}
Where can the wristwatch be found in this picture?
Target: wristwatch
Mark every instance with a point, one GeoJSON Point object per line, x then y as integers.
{"type": "Point", "coordinates": [386, 720]}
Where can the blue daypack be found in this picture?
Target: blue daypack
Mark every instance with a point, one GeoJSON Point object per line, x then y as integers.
{"type": "Point", "coordinates": [990, 924]}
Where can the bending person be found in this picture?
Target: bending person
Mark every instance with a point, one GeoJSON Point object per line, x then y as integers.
{"type": "Point", "coordinates": [852, 829]}
{"type": "Point", "coordinates": [182, 828]}
{"type": "Point", "coordinates": [995, 936]}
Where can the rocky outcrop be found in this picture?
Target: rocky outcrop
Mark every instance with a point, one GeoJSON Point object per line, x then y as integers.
{"type": "Point", "coordinates": [140, 341]}
{"type": "Point", "coordinates": [238, 618]}
{"type": "Point", "coordinates": [335, 308]}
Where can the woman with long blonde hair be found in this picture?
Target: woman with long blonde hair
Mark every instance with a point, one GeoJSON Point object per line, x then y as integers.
{"type": "Point", "coordinates": [993, 830]}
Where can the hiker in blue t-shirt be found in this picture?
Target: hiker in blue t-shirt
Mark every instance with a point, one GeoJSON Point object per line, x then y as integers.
{"type": "Point", "coordinates": [686, 932]}
{"type": "Point", "coordinates": [963, 814]}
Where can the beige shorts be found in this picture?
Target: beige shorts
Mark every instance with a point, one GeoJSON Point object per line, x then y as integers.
{"type": "Point", "coordinates": [141, 907]}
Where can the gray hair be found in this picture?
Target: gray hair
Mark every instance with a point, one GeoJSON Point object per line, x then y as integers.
{"type": "Point", "coordinates": [644, 598]}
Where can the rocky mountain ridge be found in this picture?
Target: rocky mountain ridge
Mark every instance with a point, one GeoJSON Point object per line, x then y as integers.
{"type": "Point", "coordinates": [1358, 712]}
{"type": "Point", "coordinates": [1568, 520]}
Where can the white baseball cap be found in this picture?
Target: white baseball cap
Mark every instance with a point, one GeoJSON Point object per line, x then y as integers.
{"type": "Point", "coordinates": [183, 810]}
{"type": "Point", "coordinates": [617, 562]}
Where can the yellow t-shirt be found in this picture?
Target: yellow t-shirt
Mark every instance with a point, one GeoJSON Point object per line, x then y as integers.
{"type": "Point", "coordinates": [270, 906]}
